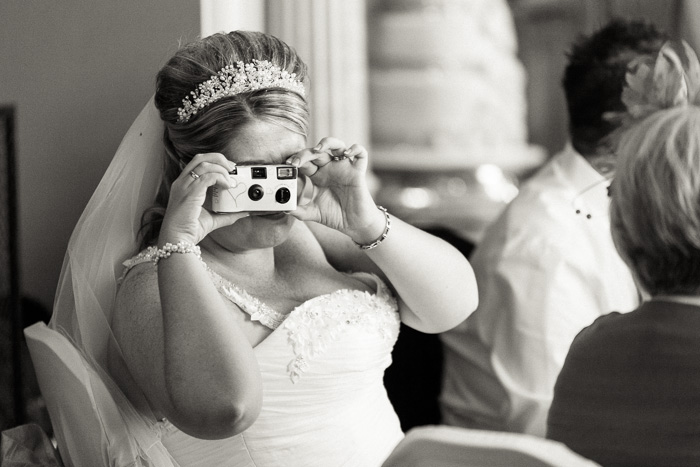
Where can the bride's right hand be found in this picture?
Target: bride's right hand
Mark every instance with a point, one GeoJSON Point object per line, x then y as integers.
{"type": "Point", "coordinates": [185, 218]}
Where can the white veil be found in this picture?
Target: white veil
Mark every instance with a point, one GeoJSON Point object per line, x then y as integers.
{"type": "Point", "coordinates": [105, 236]}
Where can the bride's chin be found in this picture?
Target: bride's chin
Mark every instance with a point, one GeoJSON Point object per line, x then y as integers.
{"type": "Point", "coordinates": [274, 216]}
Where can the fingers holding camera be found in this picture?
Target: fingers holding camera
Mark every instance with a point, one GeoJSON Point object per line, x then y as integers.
{"type": "Point", "coordinates": [341, 198]}
{"type": "Point", "coordinates": [330, 150]}
{"type": "Point", "coordinates": [358, 156]}
{"type": "Point", "coordinates": [208, 169]}
{"type": "Point", "coordinates": [185, 219]}
{"type": "Point", "coordinates": [333, 150]}
{"type": "Point", "coordinates": [304, 160]}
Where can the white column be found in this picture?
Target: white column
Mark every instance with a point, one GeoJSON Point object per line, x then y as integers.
{"type": "Point", "coordinates": [689, 27]}
{"type": "Point", "coordinates": [230, 15]}
{"type": "Point", "coordinates": [331, 37]}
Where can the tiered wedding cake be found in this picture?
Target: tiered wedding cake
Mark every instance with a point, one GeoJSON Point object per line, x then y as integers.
{"type": "Point", "coordinates": [446, 86]}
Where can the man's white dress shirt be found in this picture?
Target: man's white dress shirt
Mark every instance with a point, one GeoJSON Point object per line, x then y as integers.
{"type": "Point", "coordinates": [545, 270]}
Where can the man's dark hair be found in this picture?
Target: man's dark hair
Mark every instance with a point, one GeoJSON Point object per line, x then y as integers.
{"type": "Point", "coordinates": [595, 76]}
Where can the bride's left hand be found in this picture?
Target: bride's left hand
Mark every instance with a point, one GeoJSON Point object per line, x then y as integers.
{"type": "Point", "coordinates": [341, 199]}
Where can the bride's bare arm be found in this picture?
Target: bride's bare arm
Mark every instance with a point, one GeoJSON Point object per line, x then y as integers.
{"type": "Point", "coordinates": [184, 349]}
{"type": "Point", "coordinates": [433, 281]}
{"type": "Point", "coordinates": [201, 372]}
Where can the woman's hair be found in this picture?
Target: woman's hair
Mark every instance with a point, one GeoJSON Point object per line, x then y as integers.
{"type": "Point", "coordinates": [655, 206]}
{"type": "Point", "coordinates": [213, 127]}
{"type": "Point", "coordinates": [595, 76]}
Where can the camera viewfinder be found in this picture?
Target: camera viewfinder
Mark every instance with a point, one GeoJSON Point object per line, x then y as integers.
{"type": "Point", "coordinates": [258, 172]}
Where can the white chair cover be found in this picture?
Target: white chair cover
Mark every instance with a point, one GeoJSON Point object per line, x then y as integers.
{"type": "Point", "coordinates": [87, 422]}
{"type": "Point", "coordinates": [105, 236]}
{"type": "Point", "coordinates": [447, 446]}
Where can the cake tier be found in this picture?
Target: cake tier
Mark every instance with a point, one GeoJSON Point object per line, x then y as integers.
{"type": "Point", "coordinates": [453, 107]}
{"type": "Point", "coordinates": [469, 32]}
{"type": "Point", "coordinates": [513, 158]}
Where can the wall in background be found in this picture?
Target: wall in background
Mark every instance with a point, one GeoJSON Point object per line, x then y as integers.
{"type": "Point", "coordinates": [78, 75]}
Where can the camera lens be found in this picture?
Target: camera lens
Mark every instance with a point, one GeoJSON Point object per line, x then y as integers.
{"type": "Point", "coordinates": [283, 195]}
{"type": "Point", "coordinates": [256, 192]}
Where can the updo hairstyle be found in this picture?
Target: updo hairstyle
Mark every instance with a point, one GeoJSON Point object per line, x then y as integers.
{"type": "Point", "coordinates": [213, 128]}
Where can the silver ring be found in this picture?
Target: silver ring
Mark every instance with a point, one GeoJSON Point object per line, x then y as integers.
{"type": "Point", "coordinates": [194, 175]}
{"type": "Point", "coordinates": [338, 158]}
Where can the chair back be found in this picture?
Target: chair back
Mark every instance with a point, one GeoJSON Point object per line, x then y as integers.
{"type": "Point", "coordinates": [88, 426]}
{"type": "Point", "coordinates": [447, 446]}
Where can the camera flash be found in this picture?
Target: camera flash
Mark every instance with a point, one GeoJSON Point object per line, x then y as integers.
{"type": "Point", "coordinates": [286, 173]}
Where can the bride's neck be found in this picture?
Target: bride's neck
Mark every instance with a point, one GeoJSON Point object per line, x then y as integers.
{"type": "Point", "coordinates": [252, 262]}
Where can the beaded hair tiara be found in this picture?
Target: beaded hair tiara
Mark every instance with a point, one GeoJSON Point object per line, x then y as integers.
{"type": "Point", "coordinates": [236, 79]}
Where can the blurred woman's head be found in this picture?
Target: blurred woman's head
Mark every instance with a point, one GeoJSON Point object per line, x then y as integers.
{"type": "Point", "coordinates": [655, 206]}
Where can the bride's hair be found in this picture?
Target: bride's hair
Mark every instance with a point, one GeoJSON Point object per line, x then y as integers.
{"type": "Point", "coordinates": [213, 127]}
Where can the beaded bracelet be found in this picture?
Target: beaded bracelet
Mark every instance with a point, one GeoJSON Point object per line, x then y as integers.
{"type": "Point", "coordinates": [387, 227]}
{"type": "Point", "coordinates": [180, 247]}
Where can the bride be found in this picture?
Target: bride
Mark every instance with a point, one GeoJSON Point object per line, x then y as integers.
{"type": "Point", "coordinates": [259, 337]}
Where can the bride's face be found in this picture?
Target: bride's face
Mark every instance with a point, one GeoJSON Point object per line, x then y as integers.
{"type": "Point", "coordinates": [259, 143]}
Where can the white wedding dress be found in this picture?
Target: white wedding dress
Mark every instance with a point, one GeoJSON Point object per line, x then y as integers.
{"type": "Point", "coordinates": [324, 402]}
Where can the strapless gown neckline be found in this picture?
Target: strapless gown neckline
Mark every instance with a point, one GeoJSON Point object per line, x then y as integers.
{"type": "Point", "coordinates": [322, 366]}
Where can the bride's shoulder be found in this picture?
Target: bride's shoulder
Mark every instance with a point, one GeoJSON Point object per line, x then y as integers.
{"type": "Point", "coordinates": [145, 256]}
{"type": "Point", "coordinates": [137, 304]}
{"type": "Point", "coordinates": [139, 279]}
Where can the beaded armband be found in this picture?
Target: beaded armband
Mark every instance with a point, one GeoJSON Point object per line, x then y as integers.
{"type": "Point", "coordinates": [387, 227]}
{"type": "Point", "coordinates": [179, 247]}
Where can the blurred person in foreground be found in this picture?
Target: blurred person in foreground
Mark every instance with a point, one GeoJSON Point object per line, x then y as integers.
{"type": "Point", "coordinates": [629, 391]}
{"type": "Point", "coordinates": [547, 267]}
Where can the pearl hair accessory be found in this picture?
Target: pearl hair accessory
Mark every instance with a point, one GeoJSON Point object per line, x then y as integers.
{"type": "Point", "coordinates": [180, 247]}
{"type": "Point", "coordinates": [384, 234]}
{"type": "Point", "coordinates": [236, 79]}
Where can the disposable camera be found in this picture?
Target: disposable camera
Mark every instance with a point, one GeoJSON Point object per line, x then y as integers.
{"type": "Point", "coordinates": [257, 188]}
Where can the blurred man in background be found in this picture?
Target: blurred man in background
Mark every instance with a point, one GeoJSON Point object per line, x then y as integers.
{"type": "Point", "coordinates": [547, 267]}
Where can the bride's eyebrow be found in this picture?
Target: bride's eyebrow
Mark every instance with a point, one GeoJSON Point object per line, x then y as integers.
{"type": "Point", "coordinates": [254, 162]}
{"type": "Point", "coordinates": [267, 161]}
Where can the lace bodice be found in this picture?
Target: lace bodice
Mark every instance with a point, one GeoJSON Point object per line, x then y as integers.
{"type": "Point", "coordinates": [322, 368]}
{"type": "Point", "coordinates": [257, 310]}
{"type": "Point", "coordinates": [310, 326]}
